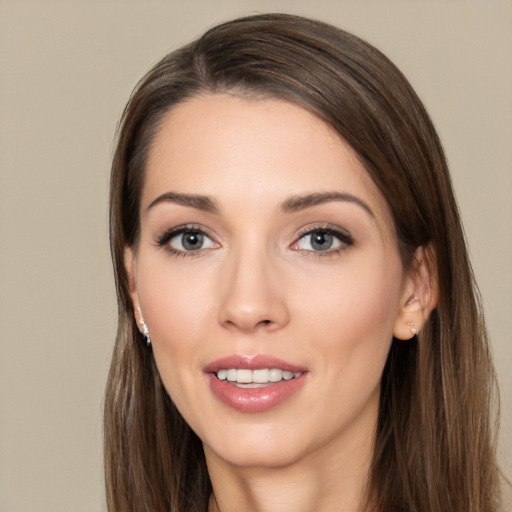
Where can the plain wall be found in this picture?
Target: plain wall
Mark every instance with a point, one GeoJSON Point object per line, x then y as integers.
{"type": "Point", "coordinates": [66, 71]}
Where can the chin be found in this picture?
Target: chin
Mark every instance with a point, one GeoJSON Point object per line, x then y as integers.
{"type": "Point", "coordinates": [266, 445]}
{"type": "Point", "coordinates": [257, 455]}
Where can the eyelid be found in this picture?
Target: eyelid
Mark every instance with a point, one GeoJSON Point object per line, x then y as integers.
{"type": "Point", "coordinates": [344, 237]}
{"type": "Point", "coordinates": [164, 239]}
{"type": "Point", "coordinates": [335, 230]}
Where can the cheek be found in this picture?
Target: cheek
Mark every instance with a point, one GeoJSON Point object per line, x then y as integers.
{"type": "Point", "coordinates": [174, 299]}
{"type": "Point", "coordinates": [358, 297]}
{"type": "Point", "coordinates": [350, 325]}
{"type": "Point", "coordinates": [177, 306]}
{"type": "Point", "coordinates": [349, 316]}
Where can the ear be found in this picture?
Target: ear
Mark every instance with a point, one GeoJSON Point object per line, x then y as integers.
{"type": "Point", "coordinates": [129, 263]}
{"type": "Point", "coordinates": [420, 295]}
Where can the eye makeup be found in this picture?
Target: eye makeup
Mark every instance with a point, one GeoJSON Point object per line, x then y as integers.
{"type": "Point", "coordinates": [193, 240]}
{"type": "Point", "coordinates": [322, 241]}
{"type": "Point", "coordinates": [186, 240]}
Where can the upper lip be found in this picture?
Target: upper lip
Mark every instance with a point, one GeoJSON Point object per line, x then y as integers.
{"type": "Point", "coordinates": [255, 362]}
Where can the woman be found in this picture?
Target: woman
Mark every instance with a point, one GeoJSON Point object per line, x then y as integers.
{"type": "Point", "coordinates": [286, 241]}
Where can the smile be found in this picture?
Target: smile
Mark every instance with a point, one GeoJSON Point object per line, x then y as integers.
{"type": "Point", "coordinates": [246, 378]}
{"type": "Point", "coordinates": [253, 384]}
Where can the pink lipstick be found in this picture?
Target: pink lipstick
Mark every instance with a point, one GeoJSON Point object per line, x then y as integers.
{"type": "Point", "coordinates": [254, 383]}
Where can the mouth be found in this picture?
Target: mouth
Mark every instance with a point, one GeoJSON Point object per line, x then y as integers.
{"type": "Point", "coordinates": [254, 383]}
{"type": "Point", "coordinates": [251, 379]}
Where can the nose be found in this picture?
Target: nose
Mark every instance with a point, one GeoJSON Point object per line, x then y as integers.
{"type": "Point", "coordinates": [253, 295]}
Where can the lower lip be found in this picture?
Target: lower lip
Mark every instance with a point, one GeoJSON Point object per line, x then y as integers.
{"type": "Point", "coordinates": [255, 399]}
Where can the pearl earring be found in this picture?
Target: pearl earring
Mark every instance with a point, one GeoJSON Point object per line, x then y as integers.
{"type": "Point", "coordinates": [413, 330]}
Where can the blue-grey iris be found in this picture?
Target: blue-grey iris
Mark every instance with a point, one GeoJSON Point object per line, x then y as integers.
{"type": "Point", "coordinates": [321, 241]}
{"type": "Point", "coordinates": [192, 241]}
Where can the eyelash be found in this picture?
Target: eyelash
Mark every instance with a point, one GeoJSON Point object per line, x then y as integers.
{"type": "Point", "coordinates": [342, 236]}
{"type": "Point", "coordinates": [163, 240]}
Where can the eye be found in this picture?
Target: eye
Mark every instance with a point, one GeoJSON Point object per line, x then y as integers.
{"type": "Point", "coordinates": [186, 239]}
{"type": "Point", "coordinates": [327, 240]}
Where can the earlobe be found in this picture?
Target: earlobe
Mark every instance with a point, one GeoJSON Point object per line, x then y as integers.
{"type": "Point", "coordinates": [129, 263]}
{"type": "Point", "coordinates": [420, 295]}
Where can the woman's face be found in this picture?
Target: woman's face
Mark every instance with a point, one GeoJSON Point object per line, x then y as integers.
{"type": "Point", "coordinates": [269, 277]}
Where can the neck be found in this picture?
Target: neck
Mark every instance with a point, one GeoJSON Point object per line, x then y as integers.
{"type": "Point", "coordinates": [331, 479]}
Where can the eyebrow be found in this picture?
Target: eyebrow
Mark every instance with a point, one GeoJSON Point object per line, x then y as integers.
{"type": "Point", "coordinates": [291, 205]}
{"type": "Point", "coordinates": [297, 203]}
{"type": "Point", "coordinates": [199, 202]}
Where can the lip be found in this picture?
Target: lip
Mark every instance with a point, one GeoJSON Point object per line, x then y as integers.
{"type": "Point", "coordinates": [256, 362]}
{"type": "Point", "coordinates": [254, 399]}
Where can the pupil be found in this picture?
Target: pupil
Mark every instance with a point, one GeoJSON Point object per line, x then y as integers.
{"type": "Point", "coordinates": [321, 241]}
{"type": "Point", "coordinates": [192, 241]}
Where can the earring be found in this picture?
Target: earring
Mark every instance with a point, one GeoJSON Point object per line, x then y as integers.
{"type": "Point", "coordinates": [144, 330]}
{"type": "Point", "coordinates": [413, 330]}
{"type": "Point", "coordinates": [145, 334]}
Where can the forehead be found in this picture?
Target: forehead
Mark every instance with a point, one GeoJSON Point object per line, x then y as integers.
{"type": "Point", "coordinates": [252, 150]}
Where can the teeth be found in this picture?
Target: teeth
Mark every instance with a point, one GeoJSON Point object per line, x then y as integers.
{"type": "Point", "coordinates": [261, 376]}
{"type": "Point", "coordinates": [275, 375]}
{"type": "Point", "coordinates": [244, 376]}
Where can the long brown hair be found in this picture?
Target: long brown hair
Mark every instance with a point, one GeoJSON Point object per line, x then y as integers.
{"type": "Point", "coordinates": [434, 444]}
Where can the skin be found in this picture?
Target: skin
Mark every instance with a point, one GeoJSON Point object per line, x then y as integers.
{"type": "Point", "coordinates": [257, 286]}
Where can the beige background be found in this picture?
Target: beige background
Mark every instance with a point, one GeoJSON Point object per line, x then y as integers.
{"type": "Point", "coordinates": [66, 70]}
